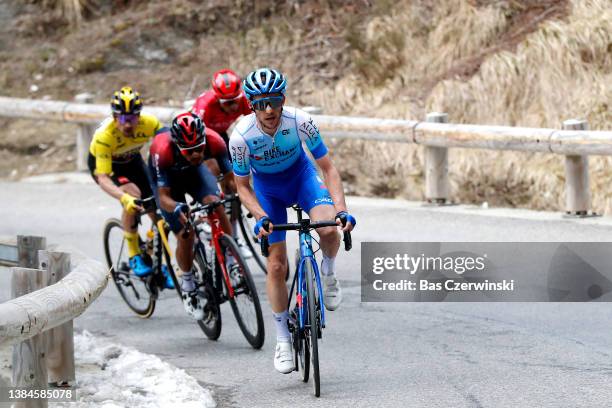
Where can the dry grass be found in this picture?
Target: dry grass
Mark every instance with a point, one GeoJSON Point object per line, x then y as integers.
{"type": "Point", "coordinates": [561, 70]}
{"type": "Point", "coordinates": [73, 11]}
{"type": "Point", "coordinates": [510, 62]}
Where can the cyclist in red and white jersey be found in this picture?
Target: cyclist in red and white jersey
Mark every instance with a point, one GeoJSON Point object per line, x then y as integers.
{"type": "Point", "coordinates": [220, 106]}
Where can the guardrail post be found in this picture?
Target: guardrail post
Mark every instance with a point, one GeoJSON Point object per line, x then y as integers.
{"type": "Point", "coordinates": [60, 340]}
{"type": "Point", "coordinates": [577, 194]}
{"type": "Point", "coordinates": [29, 364]}
{"type": "Point", "coordinates": [84, 135]}
{"type": "Point", "coordinates": [27, 250]}
{"type": "Point", "coordinates": [436, 166]}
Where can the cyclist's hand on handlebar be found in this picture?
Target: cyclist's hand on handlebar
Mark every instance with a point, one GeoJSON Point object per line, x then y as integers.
{"type": "Point", "coordinates": [180, 211]}
{"type": "Point", "coordinates": [129, 203]}
{"type": "Point", "coordinates": [263, 227]}
{"type": "Point", "coordinates": [346, 221]}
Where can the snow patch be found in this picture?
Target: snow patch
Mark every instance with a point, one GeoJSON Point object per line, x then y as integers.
{"type": "Point", "coordinates": [111, 375]}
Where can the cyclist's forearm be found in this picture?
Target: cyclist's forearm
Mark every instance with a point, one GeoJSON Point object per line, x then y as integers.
{"type": "Point", "coordinates": [166, 202]}
{"type": "Point", "coordinates": [248, 198]}
{"type": "Point", "coordinates": [336, 191]}
{"type": "Point", "coordinates": [229, 181]}
{"type": "Point", "coordinates": [109, 186]}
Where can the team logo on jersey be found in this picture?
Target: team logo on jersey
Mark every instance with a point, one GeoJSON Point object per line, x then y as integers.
{"type": "Point", "coordinates": [239, 155]}
{"type": "Point", "coordinates": [310, 130]}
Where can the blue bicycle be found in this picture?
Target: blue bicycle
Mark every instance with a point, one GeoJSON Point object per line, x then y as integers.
{"type": "Point", "coordinates": [307, 316]}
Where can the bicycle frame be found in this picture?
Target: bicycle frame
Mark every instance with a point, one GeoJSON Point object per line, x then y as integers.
{"type": "Point", "coordinates": [217, 232]}
{"type": "Point", "coordinates": [306, 255]}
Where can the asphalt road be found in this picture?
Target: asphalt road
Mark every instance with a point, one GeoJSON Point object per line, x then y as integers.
{"type": "Point", "coordinates": [372, 354]}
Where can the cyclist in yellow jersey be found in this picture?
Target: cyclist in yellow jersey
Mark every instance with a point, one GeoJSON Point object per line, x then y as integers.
{"type": "Point", "coordinates": [116, 165]}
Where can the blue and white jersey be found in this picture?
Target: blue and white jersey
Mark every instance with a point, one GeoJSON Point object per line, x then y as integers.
{"type": "Point", "coordinates": [256, 151]}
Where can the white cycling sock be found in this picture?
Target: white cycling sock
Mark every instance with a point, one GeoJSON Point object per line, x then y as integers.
{"type": "Point", "coordinates": [187, 283]}
{"type": "Point", "coordinates": [327, 266]}
{"type": "Point", "coordinates": [282, 330]}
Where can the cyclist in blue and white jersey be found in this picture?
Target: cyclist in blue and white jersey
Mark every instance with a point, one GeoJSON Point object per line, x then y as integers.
{"type": "Point", "coordinates": [267, 144]}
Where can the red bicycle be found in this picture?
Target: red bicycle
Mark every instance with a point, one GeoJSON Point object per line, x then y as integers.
{"type": "Point", "coordinates": [216, 284]}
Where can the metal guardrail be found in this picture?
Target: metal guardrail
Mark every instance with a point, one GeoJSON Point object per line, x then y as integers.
{"type": "Point", "coordinates": [47, 295]}
{"type": "Point", "coordinates": [8, 254]}
{"type": "Point", "coordinates": [435, 134]}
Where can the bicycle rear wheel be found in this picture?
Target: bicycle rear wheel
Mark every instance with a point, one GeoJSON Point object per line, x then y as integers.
{"type": "Point", "coordinates": [132, 288]}
{"type": "Point", "coordinates": [313, 324]}
{"type": "Point", "coordinates": [211, 323]}
{"type": "Point", "coordinates": [245, 303]}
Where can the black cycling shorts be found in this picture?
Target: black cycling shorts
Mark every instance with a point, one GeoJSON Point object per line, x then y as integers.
{"type": "Point", "coordinates": [132, 171]}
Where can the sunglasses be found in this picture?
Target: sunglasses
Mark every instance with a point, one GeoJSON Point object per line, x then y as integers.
{"type": "Point", "coordinates": [232, 101]}
{"type": "Point", "coordinates": [190, 151]}
{"type": "Point", "coordinates": [128, 118]}
{"type": "Point", "coordinates": [275, 102]}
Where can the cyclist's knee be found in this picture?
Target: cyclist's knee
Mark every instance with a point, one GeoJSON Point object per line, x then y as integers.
{"type": "Point", "coordinates": [277, 269]}
{"type": "Point", "coordinates": [328, 233]}
{"type": "Point", "coordinates": [209, 199]}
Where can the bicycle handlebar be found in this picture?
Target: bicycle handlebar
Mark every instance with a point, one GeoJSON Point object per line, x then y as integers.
{"type": "Point", "coordinates": [208, 208]}
{"type": "Point", "coordinates": [148, 204]}
{"type": "Point", "coordinates": [305, 225]}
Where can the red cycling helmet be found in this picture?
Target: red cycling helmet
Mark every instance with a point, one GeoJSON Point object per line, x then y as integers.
{"type": "Point", "coordinates": [226, 84]}
{"type": "Point", "coordinates": [188, 131]}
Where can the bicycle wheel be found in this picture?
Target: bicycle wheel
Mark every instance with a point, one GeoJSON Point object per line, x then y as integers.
{"type": "Point", "coordinates": [246, 230]}
{"type": "Point", "coordinates": [211, 323]}
{"type": "Point", "coordinates": [301, 353]}
{"type": "Point", "coordinates": [312, 332]}
{"type": "Point", "coordinates": [132, 288]}
{"type": "Point", "coordinates": [245, 303]}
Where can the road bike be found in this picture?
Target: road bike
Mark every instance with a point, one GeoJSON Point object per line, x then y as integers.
{"type": "Point", "coordinates": [140, 293]}
{"type": "Point", "coordinates": [215, 284]}
{"type": "Point", "coordinates": [307, 316]}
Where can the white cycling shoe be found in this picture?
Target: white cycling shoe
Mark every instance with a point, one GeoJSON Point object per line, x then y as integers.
{"type": "Point", "coordinates": [244, 248]}
{"type": "Point", "coordinates": [193, 305]}
{"type": "Point", "coordinates": [332, 293]}
{"type": "Point", "coordinates": [283, 357]}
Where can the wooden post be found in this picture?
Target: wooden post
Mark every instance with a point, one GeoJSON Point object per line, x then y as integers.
{"type": "Point", "coordinates": [436, 166]}
{"type": "Point", "coordinates": [84, 135]}
{"type": "Point", "coordinates": [60, 340]}
{"type": "Point", "coordinates": [27, 250]}
{"type": "Point", "coordinates": [577, 194]}
{"type": "Point", "coordinates": [29, 363]}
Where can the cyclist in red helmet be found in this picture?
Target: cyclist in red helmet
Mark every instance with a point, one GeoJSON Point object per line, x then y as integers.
{"type": "Point", "coordinates": [219, 108]}
{"type": "Point", "coordinates": [223, 104]}
{"type": "Point", "coordinates": [176, 164]}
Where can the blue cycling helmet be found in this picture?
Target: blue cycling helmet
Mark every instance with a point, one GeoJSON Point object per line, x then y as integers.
{"type": "Point", "coordinates": [264, 81]}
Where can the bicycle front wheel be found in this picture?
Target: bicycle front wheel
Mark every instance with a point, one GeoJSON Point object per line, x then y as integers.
{"type": "Point", "coordinates": [313, 324]}
{"type": "Point", "coordinates": [245, 302]}
{"type": "Point", "coordinates": [211, 323]}
{"type": "Point", "coordinates": [132, 288]}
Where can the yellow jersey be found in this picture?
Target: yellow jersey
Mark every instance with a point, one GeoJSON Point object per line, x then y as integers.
{"type": "Point", "coordinates": [110, 144]}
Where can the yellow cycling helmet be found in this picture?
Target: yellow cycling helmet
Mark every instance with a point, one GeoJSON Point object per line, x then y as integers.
{"type": "Point", "coordinates": [126, 102]}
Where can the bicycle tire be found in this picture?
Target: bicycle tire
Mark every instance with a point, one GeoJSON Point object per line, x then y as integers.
{"type": "Point", "coordinates": [244, 290]}
{"type": "Point", "coordinates": [313, 327]}
{"type": "Point", "coordinates": [250, 240]}
{"type": "Point", "coordinates": [211, 324]}
{"type": "Point", "coordinates": [119, 274]}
